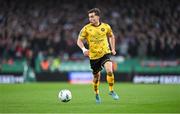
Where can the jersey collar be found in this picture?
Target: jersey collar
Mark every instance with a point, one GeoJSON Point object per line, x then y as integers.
{"type": "Point", "coordinates": [97, 25]}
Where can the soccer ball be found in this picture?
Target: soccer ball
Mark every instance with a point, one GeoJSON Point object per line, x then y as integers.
{"type": "Point", "coordinates": [65, 95]}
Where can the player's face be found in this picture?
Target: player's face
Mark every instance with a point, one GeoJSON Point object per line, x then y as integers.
{"type": "Point", "coordinates": [93, 18]}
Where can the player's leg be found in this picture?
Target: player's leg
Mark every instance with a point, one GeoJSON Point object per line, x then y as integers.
{"type": "Point", "coordinates": [110, 79]}
{"type": "Point", "coordinates": [96, 67]}
{"type": "Point", "coordinates": [96, 82]}
{"type": "Point", "coordinates": [110, 75]}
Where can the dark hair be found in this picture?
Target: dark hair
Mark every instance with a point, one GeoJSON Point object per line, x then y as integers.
{"type": "Point", "coordinates": [96, 11]}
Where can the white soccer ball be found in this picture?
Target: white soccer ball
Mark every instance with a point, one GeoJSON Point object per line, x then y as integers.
{"type": "Point", "coordinates": [65, 95]}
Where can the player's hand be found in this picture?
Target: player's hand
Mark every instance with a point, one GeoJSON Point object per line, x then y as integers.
{"type": "Point", "coordinates": [113, 52]}
{"type": "Point", "coordinates": [86, 53]}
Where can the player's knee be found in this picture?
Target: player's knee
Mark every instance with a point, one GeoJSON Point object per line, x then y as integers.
{"type": "Point", "coordinates": [96, 78]}
{"type": "Point", "coordinates": [110, 73]}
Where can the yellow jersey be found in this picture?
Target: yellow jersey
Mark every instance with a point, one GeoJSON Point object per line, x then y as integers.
{"type": "Point", "coordinates": [97, 39]}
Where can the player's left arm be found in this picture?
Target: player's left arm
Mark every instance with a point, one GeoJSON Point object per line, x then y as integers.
{"type": "Point", "coordinates": [112, 43]}
{"type": "Point", "coordinates": [111, 37]}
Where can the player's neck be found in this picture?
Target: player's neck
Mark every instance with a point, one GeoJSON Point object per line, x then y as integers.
{"type": "Point", "coordinates": [97, 24]}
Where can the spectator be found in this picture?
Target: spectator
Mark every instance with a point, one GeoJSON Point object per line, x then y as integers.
{"type": "Point", "coordinates": [142, 28]}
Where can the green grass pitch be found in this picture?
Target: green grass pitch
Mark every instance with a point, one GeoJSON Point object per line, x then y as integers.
{"type": "Point", "coordinates": [134, 98]}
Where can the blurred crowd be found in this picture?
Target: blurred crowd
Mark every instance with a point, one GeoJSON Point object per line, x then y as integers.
{"type": "Point", "coordinates": [143, 28]}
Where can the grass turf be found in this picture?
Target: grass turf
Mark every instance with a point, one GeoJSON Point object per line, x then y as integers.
{"type": "Point", "coordinates": [134, 98]}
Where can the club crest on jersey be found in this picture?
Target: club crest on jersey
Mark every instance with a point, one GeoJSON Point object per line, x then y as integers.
{"type": "Point", "coordinates": [102, 29]}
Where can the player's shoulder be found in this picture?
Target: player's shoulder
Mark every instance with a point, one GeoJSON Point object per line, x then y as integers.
{"type": "Point", "coordinates": [105, 24]}
{"type": "Point", "coordinates": [87, 25]}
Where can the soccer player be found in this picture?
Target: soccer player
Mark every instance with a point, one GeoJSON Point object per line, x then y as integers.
{"type": "Point", "coordinates": [97, 34]}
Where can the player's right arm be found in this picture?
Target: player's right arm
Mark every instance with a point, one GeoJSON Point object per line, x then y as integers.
{"type": "Point", "coordinates": [81, 37]}
{"type": "Point", "coordinates": [81, 45]}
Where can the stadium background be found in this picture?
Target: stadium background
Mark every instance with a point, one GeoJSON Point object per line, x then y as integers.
{"type": "Point", "coordinates": [38, 40]}
{"type": "Point", "coordinates": [43, 36]}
